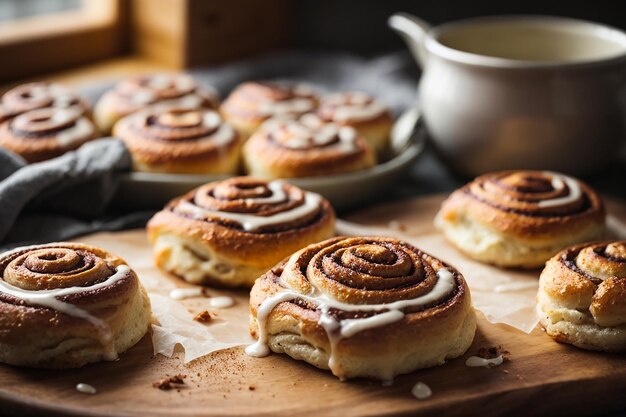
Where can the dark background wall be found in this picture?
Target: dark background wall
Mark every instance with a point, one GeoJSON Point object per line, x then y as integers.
{"type": "Point", "coordinates": [360, 25]}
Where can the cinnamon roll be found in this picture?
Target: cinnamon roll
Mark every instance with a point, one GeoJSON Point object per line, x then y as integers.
{"type": "Point", "coordinates": [39, 95]}
{"type": "Point", "coordinates": [230, 232]}
{"type": "Point", "coordinates": [521, 218]}
{"type": "Point", "coordinates": [46, 133]}
{"type": "Point", "coordinates": [252, 103]}
{"type": "Point", "coordinates": [582, 296]}
{"type": "Point", "coordinates": [305, 147]}
{"type": "Point", "coordinates": [141, 92]}
{"type": "Point", "coordinates": [192, 141]}
{"type": "Point", "coordinates": [369, 116]}
{"type": "Point", "coordinates": [371, 307]}
{"type": "Point", "coordinates": [63, 305]}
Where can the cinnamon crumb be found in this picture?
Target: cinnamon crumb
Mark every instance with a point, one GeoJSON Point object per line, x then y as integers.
{"type": "Point", "coordinates": [396, 225]}
{"type": "Point", "coordinates": [251, 387]}
{"type": "Point", "coordinates": [203, 317]}
{"type": "Point", "coordinates": [493, 352]}
{"type": "Point", "coordinates": [169, 382]}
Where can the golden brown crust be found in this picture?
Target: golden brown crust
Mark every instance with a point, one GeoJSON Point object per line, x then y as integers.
{"type": "Point", "coordinates": [521, 218]}
{"type": "Point", "coordinates": [137, 93]}
{"type": "Point", "coordinates": [509, 201]}
{"type": "Point", "coordinates": [175, 139]}
{"type": "Point", "coordinates": [198, 217]}
{"type": "Point", "coordinates": [252, 103]}
{"type": "Point", "coordinates": [582, 295]}
{"type": "Point", "coordinates": [306, 147]}
{"type": "Point", "coordinates": [42, 134]}
{"type": "Point", "coordinates": [110, 319]}
{"type": "Point", "coordinates": [39, 95]}
{"type": "Point", "coordinates": [367, 271]}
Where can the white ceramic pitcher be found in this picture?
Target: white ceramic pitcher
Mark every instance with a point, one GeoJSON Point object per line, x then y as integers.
{"type": "Point", "coordinates": [511, 92]}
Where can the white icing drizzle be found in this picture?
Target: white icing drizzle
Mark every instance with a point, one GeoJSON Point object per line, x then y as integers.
{"type": "Point", "coordinates": [278, 194]}
{"type": "Point", "coordinates": [49, 298]}
{"type": "Point", "coordinates": [78, 132]}
{"type": "Point", "coordinates": [61, 96]}
{"type": "Point", "coordinates": [81, 130]}
{"type": "Point", "coordinates": [159, 82]}
{"type": "Point", "coordinates": [477, 361]}
{"type": "Point", "coordinates": [421, 391]}
{"type": "Point", "coordinates": [86, 389]}
{"type": "Point", "coordinates": [285, 107]}
{"type": "Point", "coordinates": [224, 135]}
{"type": "Point", "coordinates": [195, 292]}
{"type": "Point", "coordinates": [355, 106]}
{"type": "Point", "coordinates": [251, 222]}
{"type": "Point", "coordinates": [143, 97]}
{"type": "Point", "coordinates": [341, 329]}
{"type": "Point", "coordinates": [558, 183]}
{"type": "Point", "coordinates": [221, 302]}
{"type": "Point", "coordinates": [184, 293]}
{"type": "Point", "coordinates": [189, 101]}
{"type": "Point", "coordinates": [310, 131]}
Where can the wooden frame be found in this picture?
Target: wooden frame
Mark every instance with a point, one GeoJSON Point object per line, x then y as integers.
{"type": "Point", "coordinates": [173, 34]}
{"type": "Point", "coordinates": [52, 42]}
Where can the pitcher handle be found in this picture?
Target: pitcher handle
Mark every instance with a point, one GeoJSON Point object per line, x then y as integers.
{"type": "Point", "coordinates": [413, 30]}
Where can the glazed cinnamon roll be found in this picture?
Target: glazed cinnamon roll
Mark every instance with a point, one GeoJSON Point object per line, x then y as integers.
{"type": "Point", "coordinates": [305, 147]}
{"type": "Point", "coordinates": [362, 307]}
{"type": "Point", "coordinates": [369, 116]}
{"type": "Point", "coordinates": [252, 103]}
{"type": "Point", "coordinates": [141, 92]}
{"type": "Point", "coordinates": [192, 141]}
{"type": "Point", "coordinates": [230, 232]}
{"type": "Point", "coordinates": [582, 296]}
{"type": "Point", "coordinates": [32, 96]}
{"type": "Point", "coordinates": [63, 305]}
{"type": "Point", "coordinates": [46, 133]}
{"type": "Point", "coordinates": [521, 218]}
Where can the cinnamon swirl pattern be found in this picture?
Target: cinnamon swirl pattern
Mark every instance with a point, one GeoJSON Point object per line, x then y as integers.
{"type": "Point", "coordinates": [521, 218]}
{"type": "Point", "coordinates": [582, 296]}
{"type": "Point", "coordinates": [45, 133]}
{"type": "Point", "coordinates": [305, 147]}
{"type": "Point", "coordinates": [39, 95]}
{"type": "Point", "coordinates": [193, 141]}
{"type": "Point", "coordinates": [162, 90]}
{"type": "Point", "coordinates": [362, 307]}
{"type": "Point", "coordinates": [63, 305]}
{"type": "Point", "coordinates": [252, 103]}
{"type": "Point", "coordinates": [369, 116]}
{"type": "Point", "coordinates": [230, 232]}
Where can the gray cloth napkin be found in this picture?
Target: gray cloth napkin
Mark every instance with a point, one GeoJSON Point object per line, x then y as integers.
{"type": "Point", "coordinates": [68, 196]}
{"type": "Point", "coordinates": [63, 197]}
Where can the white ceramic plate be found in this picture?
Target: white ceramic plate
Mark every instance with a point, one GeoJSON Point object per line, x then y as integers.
{"type": "Point", "coordinates": [144, 190]}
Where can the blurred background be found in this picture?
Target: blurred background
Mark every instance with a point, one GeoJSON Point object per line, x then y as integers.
{"type": "Point", "coordinates": [339, 44]}
{"type": "Point", "coordinates": [43, 36]}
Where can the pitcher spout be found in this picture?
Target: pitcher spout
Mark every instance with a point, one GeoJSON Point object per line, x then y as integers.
{"type": "Point", "coordinates": [413, 30]}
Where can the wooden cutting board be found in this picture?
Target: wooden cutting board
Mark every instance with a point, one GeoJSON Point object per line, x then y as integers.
{"type": "Point", "coordinates": [541, 377]}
